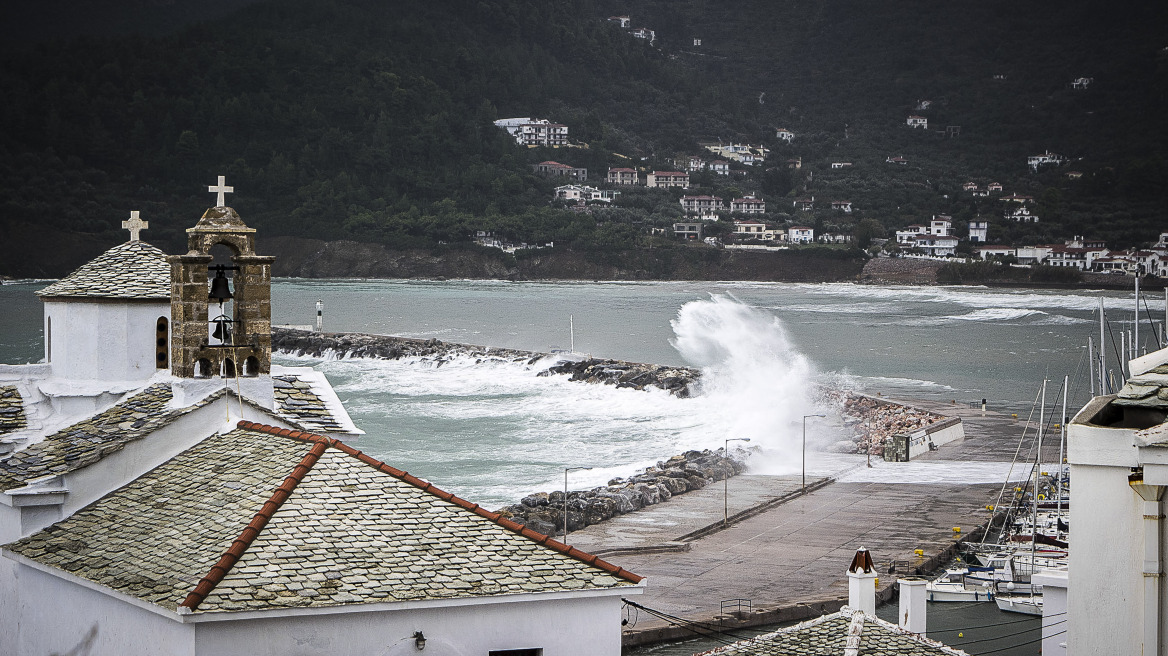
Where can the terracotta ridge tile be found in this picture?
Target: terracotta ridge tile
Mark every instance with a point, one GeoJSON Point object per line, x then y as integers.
{"type": "Point", "coordinates": [241, 544]}
{"type": "Point", "coordinates": [497, 518]}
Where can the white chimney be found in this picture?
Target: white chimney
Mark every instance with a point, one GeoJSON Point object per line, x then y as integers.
{"type": "Point", "coordinates": [912, 604]}
{"type": "Point", "coordinates": [862, 582]}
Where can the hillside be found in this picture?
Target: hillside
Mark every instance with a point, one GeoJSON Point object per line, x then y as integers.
{"type": "Point", "coordinates": [371, 122]}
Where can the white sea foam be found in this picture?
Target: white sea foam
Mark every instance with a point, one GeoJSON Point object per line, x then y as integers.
{"type": "Point", "coordinates": [996, 314]}
{"type": "Point", "coordinates": [979, 297]}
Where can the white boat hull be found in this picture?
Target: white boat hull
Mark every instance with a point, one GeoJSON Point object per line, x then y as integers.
{"type": "Point", "coordinates": [958, 594]}
{"type": "Point", "coordinates": [1026, 604]}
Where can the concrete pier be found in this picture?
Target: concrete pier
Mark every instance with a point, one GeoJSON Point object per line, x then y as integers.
{"type": "Point", "coordinates": [786, 552]}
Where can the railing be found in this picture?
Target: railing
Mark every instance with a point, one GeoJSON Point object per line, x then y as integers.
{"type": "Point", "coordinates": [735, 606]}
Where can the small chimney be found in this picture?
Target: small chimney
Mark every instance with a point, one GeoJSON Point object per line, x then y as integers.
{"type": "Point", "coordinates": [912, 604]}
{"type": "Point", "coordinates": [862, 582]}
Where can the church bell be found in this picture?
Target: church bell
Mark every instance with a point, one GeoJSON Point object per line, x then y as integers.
{"type": "Point", "coordinates": [220, 288]}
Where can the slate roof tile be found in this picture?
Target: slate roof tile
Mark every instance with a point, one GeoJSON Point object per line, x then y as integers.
{"type": "Point", "coordinates": [88, 441]}
{"type": "Point", "coordinates": [12, 417]}
{"type": "Point", "coordinates": [133, 270]}
{"type": "Point", "coordinates": [339, 528]}
{"type": "Point", "coordinates": [295, 399]}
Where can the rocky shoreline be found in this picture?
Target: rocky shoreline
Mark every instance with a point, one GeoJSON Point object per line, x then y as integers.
{"type": "Point", "coordinates": [692, 470]}
{"type": "Point", "coordinates": [675, 380]}
{"type": "Point", "coordinates": [873, 421]}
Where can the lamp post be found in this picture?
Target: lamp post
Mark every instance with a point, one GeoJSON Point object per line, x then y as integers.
{"type": "Point", "coordinates": [804, 458]}
{"type": "Point", "coordinates": [566, 470]}
{"type": "Point", "coordinates": [726, 481]}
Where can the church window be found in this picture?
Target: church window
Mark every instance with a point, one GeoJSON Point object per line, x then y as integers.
{"type": "Point", "coordinates": [203, 368]}
{"type": "Point", "coordinates": [162, 344]}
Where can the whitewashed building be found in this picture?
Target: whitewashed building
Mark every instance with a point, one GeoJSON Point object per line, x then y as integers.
{"type": "Point", "coordinates": [978, 231]}
{"type": "Point", "coordinates": [918, 122]}
{"type": "Point", "coordinates": [801, 235]}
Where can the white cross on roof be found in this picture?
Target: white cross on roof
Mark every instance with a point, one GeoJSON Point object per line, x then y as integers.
{"type": "Point", "coordinates": [135, 225]}
{"type": "Point", "coordinates": [221, 189]}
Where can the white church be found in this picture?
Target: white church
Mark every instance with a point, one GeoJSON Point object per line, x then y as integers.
{"type": "Point", "coordinates": [165, 489]}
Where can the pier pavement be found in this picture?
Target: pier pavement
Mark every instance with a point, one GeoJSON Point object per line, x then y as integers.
{"type": "Point", "coordinates": [787, 552]}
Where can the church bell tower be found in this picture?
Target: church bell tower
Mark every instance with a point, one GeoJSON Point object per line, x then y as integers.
{"type": "Point", "coordinates": [208, 340]}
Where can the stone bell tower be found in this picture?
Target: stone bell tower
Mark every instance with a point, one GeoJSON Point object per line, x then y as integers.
{"type": "Point", "coordinates": [242, 343]}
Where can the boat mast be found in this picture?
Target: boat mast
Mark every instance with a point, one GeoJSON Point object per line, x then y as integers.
{"type": "Point", "coordinates": [1037, 475]}
{"type": "Point", "coordinates": [572, 332]}
{"type": "Point", "coordinates": [1091, 365]}
{"type": "Point", "coordinates": [1102, 355]}
{"type": "Point", "coordinates": [1062, 443]}
{"type": "Point", "coordinates": [1136, 335]}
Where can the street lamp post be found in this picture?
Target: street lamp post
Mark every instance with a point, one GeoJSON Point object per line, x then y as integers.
{"type": "Point", "coordinates": [726, 481]}
{"type": "Point", "coordinates": [804, 458]}
{"type": "Point", "coordinates": [566, 470]}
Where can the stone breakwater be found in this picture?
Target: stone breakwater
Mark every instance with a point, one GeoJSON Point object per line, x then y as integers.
{"type": "Point", "coordinates": [875, 420]}
{"type": "Point", "coordinates": [675, 380]}
{"type": "Point", "coordinates": [692, 470]}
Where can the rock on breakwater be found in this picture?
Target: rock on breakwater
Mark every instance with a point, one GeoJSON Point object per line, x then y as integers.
{"type": "Point", "coordinates": [692, 470]}
{"type": "Point", "coordinates": [876, 420]}
{"type": "Point", "coordinates": [675, 380]}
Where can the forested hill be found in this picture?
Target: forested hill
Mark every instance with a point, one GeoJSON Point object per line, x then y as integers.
{"type": "Point", "coordinates": [371, 121]}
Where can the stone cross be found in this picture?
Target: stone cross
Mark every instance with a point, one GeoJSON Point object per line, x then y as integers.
{"type": "Point", "coordinates": [221, 189]}
{"type": "Point", "coordinates": [135, 225]}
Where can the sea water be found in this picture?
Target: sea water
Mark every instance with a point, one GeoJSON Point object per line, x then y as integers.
{"type": "Point", "coordinates": [492, 432]}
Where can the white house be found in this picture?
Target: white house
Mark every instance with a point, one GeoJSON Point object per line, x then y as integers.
{"type": "Point", "coordinates": [1117, 448]}
{"type": "Point", "coordinates": [748, 205]}
{"type": "Point", "coordinates": [749, 229]}
{"type": "Point", "coordinates": [978, 231]}
{"type": "Point", "coordinates": [801, 235]}
{"type": "Point", "coordinates": [842, 205]}
{"type": "Point", "coordinates": [987, 252]}
{"type": "Point", "coordinates": [938, 246]}
{"type": "Point", "coordinates": [584, 193]}
{"type": "Point", "coordinates": [719, 166]}
{"type": "Point", "coordinates": [910, 233]}
{"type": "Point", "coordinates": [941, 225]}
{"type": "Point", "coordinates": [1020, 215]}
{"type": "Point", "coordinates": [896, 160]}
{"type": "Point", "coordinates": [840, 165]}
{"type": "Point", "coordinates": [535, 132]}
{"type": "Point", "coordinates": [622, 176]}
{"type": "Point", "coordinates": [918, 122]}
{"type": "Point", "coordinates": [784, 134]}
{"type": "Point", "coordinates": [1032, 254]}
{"type": "Point", "coordinates": [1046, 158]}
{"type": "Point", "coordinates": [804, 204]}
{"type": "Point", "coordinates": [661, 179]}
{"type": "Point", "coordinates": [188, 513]}
{"type": "Point", "coordinates": [701, 204]}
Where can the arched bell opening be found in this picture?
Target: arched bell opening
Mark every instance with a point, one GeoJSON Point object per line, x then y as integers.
{"type": "Point", "coordinates": [228, 368]}
{"type": "Point", "coordinates": [203, 368]}
{"type": "Point", "coordinates": [251, 367]}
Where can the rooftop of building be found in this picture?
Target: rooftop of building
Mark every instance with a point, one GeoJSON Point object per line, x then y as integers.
{"type": "Point", "coordinates": [134, 270]}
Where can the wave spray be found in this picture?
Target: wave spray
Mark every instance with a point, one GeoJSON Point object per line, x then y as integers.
{"type": "Point", "coordinates": [755, 383]}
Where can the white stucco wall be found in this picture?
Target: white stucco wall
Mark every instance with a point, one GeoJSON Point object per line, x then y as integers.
{"type": "Point", "coordinates": [102, 340]}
{"type": "Point", "coordinates": [59, 617]}
{"type": "Point", "coordinates": [588, 626]}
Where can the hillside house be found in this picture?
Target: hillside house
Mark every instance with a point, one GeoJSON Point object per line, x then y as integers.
{"type": "Point", "coordinates": [749, 229]}
{"type": "Point", "coordinates": [784, 134]}
{"type": "Point", "coordinates": [1020, 215]}
{"type": "Point", "coordinates": [922, 105]}
{"type": "Point", "coordinates": [622, 176]}
{"type": "Point", "coordinates": [842, 205]}
{"type": "Point", "coordinates": [1069, 256]}
{"type": "Point", "coordinates": [688, 231]}
{"type": "Point", "coordinates": [801, 235]}
{"type": "Point", "coordinates": [693, 164]}
{"type": "Point", "coordinates": [978, 231]}
{"type": "Point", "coordinates": [585, 194]}
{"type": "Point", "coordinates": [989, 252]}
{"type": "Point", "coordinates": [742, 153]}
{"type": "Point", "coordinates": [663, 179]}
{"type": "Point", "coordinates": [1017, 198]}
{"type": "Point", "coordinates": [937, 246]}
{"type": "Point", "coordinates": [969, 186]}
{"type": "Point", "coordinates": [644, 33]}
{"type": "Point", "coordinates": [1081, 83]}
{"type": "Point", "coordinates": [1032, 254]}
{"type": "Point", "coordinates": [535, 132]}
{"type": "Point", "coordinates": [910, 233]}
{"type": "Point", "coordinates": [834, 238]}
{"type": "Point", "coordinates": [720, 167]}
{"type": "Point", "coordinates": [840, 165]}
{"type": "Point", "coordinates": [941, 225]}
{"type": "Point", "coordinates": [896, 160]}
{"type": "Point", "coordinates": [701, 204]}
{"type": "Point", "coordinates": [697, 42]}
{"type": "Point", "coordinates": [796, 163]}
{"type": "Point", "coordinates": [918, 122]}
{"type": "Point", "coordinates": [550, 168]}
{"type": "Point", "coordinates": [1074, 175]}
{"type": "Point", "coordinates": [804, 204]}
{"type": "Point", "coordinates": [980, 193]}
{"type": "Point", "coordinates": [748, 205]}
{"type": "Point", "coordinates": [1046, 158]}
{"type": "Point", "coordinates": [622, 21]}
{"type": "Point", "coordinates": [952, 131]}
{"type": "Point", "coordinates": [994, 186]}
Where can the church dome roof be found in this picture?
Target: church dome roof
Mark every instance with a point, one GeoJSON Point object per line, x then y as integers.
{"type": "Point", "coordinates": [134, 270]}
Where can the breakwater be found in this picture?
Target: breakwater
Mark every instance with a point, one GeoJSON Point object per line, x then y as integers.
{"type": "Point", "coordinates": [692, 470]}
{"type": "Point", "coordinates": [675, 380]}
